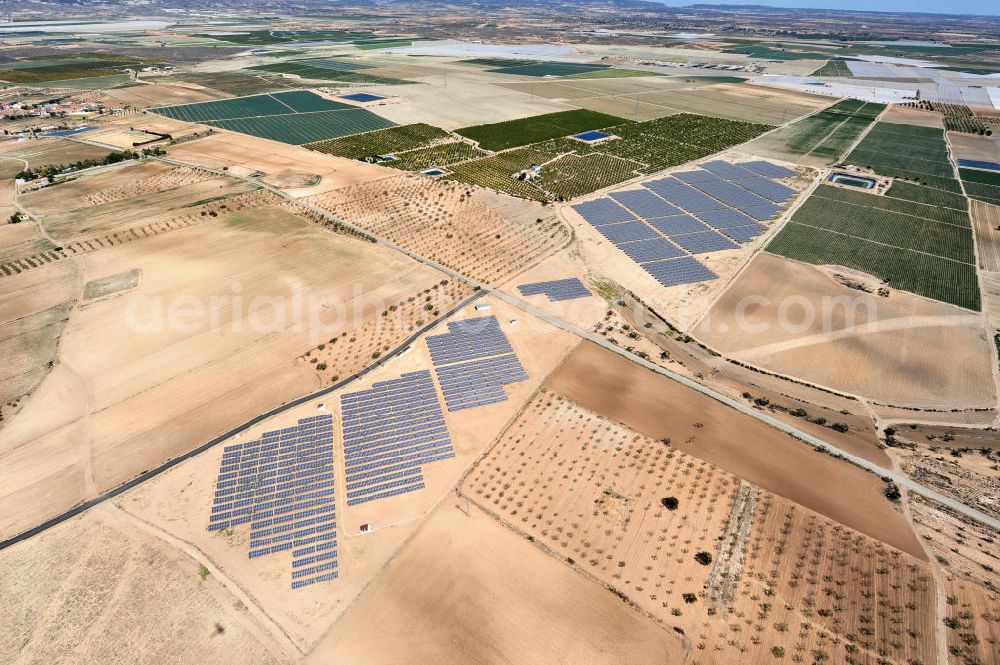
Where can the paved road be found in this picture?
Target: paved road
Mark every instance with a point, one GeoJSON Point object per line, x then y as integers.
{"type": "Point", "coordinates": [169, 464]}
{"type": "Point", "coordinates": [900, 480]}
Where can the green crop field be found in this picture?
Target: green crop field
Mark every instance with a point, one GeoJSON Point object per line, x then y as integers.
{"type": "Point", "coordinates": [536, 67]}
{"type": "Point", "coordinates": [641, 148]}
{"type": "Point", "coordinates": [576, 175]}
{"type": "Point", "coordinates": [833, 68]}
{"type": "Point", "coordinates": [930, 255]}
{"type": "Point", "coordinates": [496, 172]}
{"type": "Point", "coordinates": [908, 152]}
{"type": "Point", "coordinates": [941, 279]}
{"type": "Point", "coordinates": [525, 131]}
{"type": "Point", "coordinates": [958, 217]}
{"type": "Point", "coordinates": [294, 116]}
{"type": "Point", "coordinates": [443, 155]}
{"type": "Point", "coordinates": [383, 142]}
{"type": "Point", "coordinates": [828, 134]}
{"type": "Point", "coordinates": [981, 185]}
{"type": "Point", "coordinates": [909, 191]}
{"type": "Point", "coordinates": [44, 71]}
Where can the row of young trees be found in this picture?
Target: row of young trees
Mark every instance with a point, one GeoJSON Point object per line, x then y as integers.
{"type": "Point", "coordinates": [51, 170]}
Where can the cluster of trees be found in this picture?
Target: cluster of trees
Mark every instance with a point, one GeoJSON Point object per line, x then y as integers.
{"type": "Point", "coordinates": [51, 170]}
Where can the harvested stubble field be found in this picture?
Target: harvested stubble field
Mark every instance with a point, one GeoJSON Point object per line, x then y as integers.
{"type": "Point", "coordinates": [352, 350]}
{"type": "Point", "coordinates": [901, 350]}
{"type": "Point", "coordinates": [444, 222]}
{"type": "Point", "coordinates": [986, 222]}
{"type": "Point", "coordinates": [89, 587]}
{"type": "Point", "coordinates": [633, 512]}
{"type": "Point", "coordinates": [610, 385]}
{"type": "Point", "coordinates": [154, 93]}
{"type": "Point", "coordinates": [118, 396]}
{"type": "Point", "coordinates": [915, 247]}
{"type": "Point", "coordinates": [821, 138]}
{"type": "Point", "coordinates": [307, 71]}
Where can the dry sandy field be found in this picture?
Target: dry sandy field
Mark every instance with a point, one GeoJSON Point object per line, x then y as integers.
{"type": "Point", "coordinates": [466, 590]}
{"type": "Point", "coordinates": [781, 315]}
{"type": "Point", "coordinates": [695, 424]}
{"type": "Point", "coordinates": [102, 588]}
{"type": "Point", "coordinates": [815, 411]}
{"type": "Point", "coordinates": [968, 146]}
{"type": "Point", "coordinates": [985, 222]}
{"type": "Point", "coordinates": [910, 116]}
{"type": "Point", "coordinates": [149, 374]}
{"type": "Point", "coordinates": [445, 222]}
{"type": "Point", "coordinates": [247, 155]}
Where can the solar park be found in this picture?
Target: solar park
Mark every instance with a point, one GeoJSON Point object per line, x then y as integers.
{"type": "Point", "coordinates": [295, 117]}
{"type": "Point", "coordinates": [474, 361]}
{"type": "Point", "coordinates": [556, 290]}
{"type": "Point", "coordinates": [710, 209]}
{"type": "Point", "coordinates": [391, 431]}
{"type": "Point", "coordinates": [282, 485]}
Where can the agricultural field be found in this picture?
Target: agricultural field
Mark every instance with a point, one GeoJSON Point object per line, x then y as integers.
{"type": "Point", "coordinates": [517, 133]}
{"type": "Point", "coordinates": [539, 68]}
{"type": "Point", "coordinates": [981, 185]}
{"type": "Point", "coordinates": [236, 83]}
{"type": "Point", "coordinates": [821, 138]}
{"type": "Point", "coordinates": [383, 141]}
{"type": "Point", "coordinates": [295, 117]}
{"type": "Point", "coordinates": [872, 349]}
{"type": "Point", "coordinates": [833, 68]}
{"type": "Point", "coordinates": [441, 155]}
{"type": "Point", "coordinates": [446, 222]}
{"type": "Point", "coordinates": [639, 516]}
{"type": "Point", "coordinates": [51, 70]}
{"type": "Point", "coordinates": [571, 168]}
{"type": "Point", "coordinates": [909, 152]}
{"type": "Point", "coordinates": [305, 70]}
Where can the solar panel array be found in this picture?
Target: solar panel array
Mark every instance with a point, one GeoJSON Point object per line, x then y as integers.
{"type": "Point", "coordinates": [559, 289]}
{"type": "Point", "coordinates": [391, 431]}
{"type": "Point", "coordinates": [708, 209]}
{"type": "Point", "coordinates": [474, 361]}
{"type": "Point", "coordinates": [282, 485]}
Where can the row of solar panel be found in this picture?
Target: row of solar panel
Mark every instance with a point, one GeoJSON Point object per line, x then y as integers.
{"type": "Point", "coordinates": [358, 410]}
{"type": "Point", "coordinates": [320, 516]}
{"type": "Point", "coordinates": [276, 451]}
{"type": "Point", "coordinates": [313, 570]}
{"type": "Point", "coordinates": [276, 474]}
{"type": "Point", "coordinates": [367, 446]}
{"type": "Point", "coordinates": [242, 492]}
{"type": "Point", "coordinates": [390, 420]}
{"type": "Point", "coordinates": [396, 430]}
{"type": "Point", "coordinates": [276, 463]}
{"type": "Point", "coordinates": [373, 469]}
{"type": "Point", "coordinates": [379, 472]}
{"type": "Point", "coordinates": [314, 558]}
{"type": "Point", "coordinates": [328, 543]}
{"type": "Point", "coordinates": [385, 495]}
{"type": "Point", "coordinates": [390, 476]}
{"type": "Point", "coordinates": [328, 577]}
{"type": "Point", "coordinates": [400, 449]}
{"type": "Point", "coordinates": [273, 513]}
{"type": "Point", "coordinates": [291, 498]}
{"type": "Point", "coordinates": [471, 349]}
{"type": "Point", "coordinates": [556, 290]}
{"type": "Point", "coordinates": [307, 530]}
{"type": "Point", "coordinates": [272, 442]}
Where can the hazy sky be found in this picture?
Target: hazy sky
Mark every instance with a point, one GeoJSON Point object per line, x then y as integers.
{"type": "Point", "coordinates": [983, 7]}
